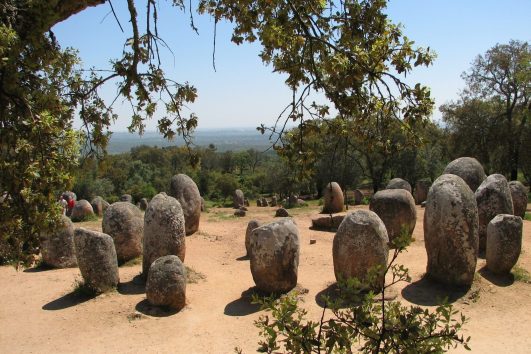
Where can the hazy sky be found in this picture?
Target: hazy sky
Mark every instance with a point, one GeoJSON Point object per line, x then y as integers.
{"type": "Point", "coordinates": [244, 93]}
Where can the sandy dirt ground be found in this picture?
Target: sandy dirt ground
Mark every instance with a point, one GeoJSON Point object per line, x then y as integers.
{"type": "Point", "coordinates": [40, 313]}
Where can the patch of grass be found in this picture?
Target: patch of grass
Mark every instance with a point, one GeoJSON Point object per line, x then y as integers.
{"type": "Point", "coordinates": [221, 216]}
{"type": "Point", "coordinates": [135, 316]}
{"type": "Point", "coordinates": [521, 275]}
{"type": "Point", "coordinates": [527, 216]}
{"type": "Point", "coordinates": [132, 262]}
{"type": "Point", "coordinates": [90, 217]}
{"type": "Point", "coordinates": [193, 276]}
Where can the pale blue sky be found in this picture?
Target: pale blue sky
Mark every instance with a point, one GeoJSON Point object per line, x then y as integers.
{"type": "Point", "coordinates": [244, 93]}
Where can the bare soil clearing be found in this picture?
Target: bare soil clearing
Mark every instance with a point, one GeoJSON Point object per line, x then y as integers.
{"type": "Point", "coordinates": [40, 313]}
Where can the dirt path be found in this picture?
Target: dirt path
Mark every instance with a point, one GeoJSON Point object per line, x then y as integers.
{"type": "Point", "coordinates": [40, 314]}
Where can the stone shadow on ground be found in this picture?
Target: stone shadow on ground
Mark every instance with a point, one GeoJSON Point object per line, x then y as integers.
{"type": "Point", "coordinates": [135, 286]}
{"type": "Point", "coordinates": [71, 299]}
{"type": "Point", "coordinates": [40, 268]}
{"type": "Point", "coordinates": [244, 306]}
{"type": "Point", "coordinates": [243, 258]}
{"type": "Point", "coordinates": [334, 294]}
{"type": "Point", "coordinates": [427, 292]}
{"type": "Point", "coordinates": [501, 280]}
{"type": "Point", "coordinates": [146, 308]}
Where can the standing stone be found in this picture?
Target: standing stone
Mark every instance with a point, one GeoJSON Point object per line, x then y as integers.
{"type": "Point", "coordinates": [275, 256]}
{"type": "Point", "coordinates": [451, 231]}
{"type": "Point", "coordinates": [57, 246]}
{"type": "Point", "coordinates": [281, 213]}
{"type": "Point", "coordinates": [504, 243]}
{"type": "Point", "coordinates": [96, 257]}
{"type": "Point", "coordinates": [399, 183]}
{"type": "Point", "coordinates": [469, 169]}
{"type": "Point", "coordinates": [164, 230]}
{"type": "Point", "coordinates": [240, 213]}
{"type": "Point", "coordinates": [292, 200]}
{"type": "Point", "coordinates": [202, 204]}
{"type": "Point", "coordinates": [274, 201]}
{"type": "Point", "coordinates": [258, 202]}
{"type": "Point", "coordinates": [124, 222]}
{"type": "Point", "coordinates": [126, 198]}
{"type": "Point", "coordinates": [246, 202]}
{"type": "Point", "coordinates": [184, 189]}
{"type": "Point", "coordinates": [143, 204]}
{"type": "Point", "coordinates": [360, 244]}
{"type": "Point", "coordinates": [166, 283]}
{"type": "Point", "coordinates": [99, 205]}
{"type": "Point", "coordinates": [81, 211]}
{"type": "Point", "coordinates": [358, 197]}
{"type": "Point", "coordinates": [396, 208]}
{"type": "Point", "coordinates": [519, 196]}
{"type": "Point", "coordinates": [493, 197]}
{"type": "Point", "coordinates": [264, 202]}
{"type": "Point", "coordinates": [333, 198]}
{"type": "Point", "coordinates": [421, 191]}
{"type": "Point", "coordinates": [238, 199]}
{"type": "Point", "coordinates": [253, 224]}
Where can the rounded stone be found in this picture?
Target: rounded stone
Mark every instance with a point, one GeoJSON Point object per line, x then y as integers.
{"type": "Point", "coordinates": [70, 195]}
{"type": "Point", "coordinates": [421, 191]}
{"type": "Point", "coordinates": [99, 205]}
{"type": "Point", "coordinates": [281, 213]}
{"type": "Point", "coordinates": [333, 198]}
{"type": "Point", "coordinates": [126, 198]}
{"type": "Point", "coordinates": [360, 244]}
{"type": "Point", "coordinates": [396, 208]}
{"type": "Point", "coordinates": [238, 199]}
{"type": "Point", "coordinates": [202, 204]}
{"type": "Point", "coordinates": [399, 183]}
{"type": "Point", "coordinates": [264, 202]}
{"type": "Point", "coordinates": [504, 243]}
{"type": "Point", "coordinates": [258, 202]}
{"type": "Point", "coordinates": [96, 258]}
{"type": "Point", "coordinates": [451, 231]}
{"type": "Point", "coordinates": [81, 211]}
{"type": "Point", "coordinates": [57, 246]}
{"type": "Point", "coordinates": [184, 189]}
{"type": "Point", "coordinates": [493, 197]}
{"type": "Point", "coordinates": [469, 169]}
{"type": "Point", "coordinates": [166, 283]}
{"type": "Point", "coordinates": [274, 201]}
{"type": "Point", "coordinates": [240, 213]}
{"type": "Point", "coordinates": [253, 224]}
{"type": "Point", "coordinates": [519, 196]}
{"type": "Point", "coordinates": [143, 204]}
{"type": "Point", "coordinates": [164, 230]}
{"type": "Point", "coordinates": [275, 256]}
{"type": "Point", "coordinates": [124, 222]}
{"type": "Point", "coordinates": [358, 196]}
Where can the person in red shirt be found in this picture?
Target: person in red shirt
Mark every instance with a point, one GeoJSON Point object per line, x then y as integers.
{"type": "Point", "coordinates": [70, 205]}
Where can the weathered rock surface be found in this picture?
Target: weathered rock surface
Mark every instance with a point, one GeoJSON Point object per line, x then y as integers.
{"type": "Point", "coordinates": [275, 256]}
{"type": "Point", "coordinates": [202, 204]}
{"type": "Point", "coordinates": [274, 201]}
{"type": "Point", "coordinates": [143, 204]}
{"type": "Point", "coordinates": [253, 224]}
{"type": "Point", "coordinates": [504, 243]}
{"type": "Point", "coordinates": [96, 258]}
{"type": "Point", "coordinates": [399, 183]}
{"type": "Point", "coordinates": [333, 198]}
{"type": "Point", "coordinates": [519, 196]}
{"type": "Point", "coordinates": [360, 244]}
{"type": "Point", "coordinates": [421, 191]}
{"type": "Point", "coordinates": [99, 205]}
{"type": "Point", "coordinates": [57, 247]}
{"type": "Point", "coordinates": [281, 213]}
{"type": "Point", "coordinates": [124, 222]}
{"type": "Point", "coordinates": [238, 199]}
{"type": "Point", "coordinates": [240, 213]}
{"type": "Point", "coordinates": [164, 230]}
{"type": "Point", "coordinates": [493, 197]}
{"type": "Point", "coordinates": [396, 208]}
{"type": "Point", "coordinates": [184, 189]}
{"type": "Point", "coordinates": [81, 211]}
{"type": "Point", "coordinates": [451, 231]}
{"type": "Point", "coordinates": [358, 196]}
{"type": "Point", "coordinates": [126, 198]}
{"type": "Point", "coordinates": [328, 222]}
{"type": "Point", "coordinates": [166, 283]}
{"type": "Point", "coordinates": [469, 169]}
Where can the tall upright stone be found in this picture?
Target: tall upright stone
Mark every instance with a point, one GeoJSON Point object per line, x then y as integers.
{"type": "Point", "coordinates": [166, 283]}
{"type": "Point", "coordinates": [253, 224]}
{"type": "Point", "coordinates": [333, 198]}
{"type": "Point", "coordinates": [493, 197]}
{"type": "Point", "coordinates": [184, 189]}
{"type": "Point", "coordinates": [124, 222]}
{"type": "Point", "coordinates": [421, 191]}
{"type": "Point", "coordinates": [275, 256]}
{"type": "Point", "coordinates": [99, 205]}
{"type": "Point", "coordinates": [96, 257]}
{"type": "Point", "coordinates": [504, 243]}
{"type": "Point", "coordinates": [469, 169]}
{"type": "Point", "coordinates": [164, 230]}
{"type": "Point", "coordinates": [396, 208]}
{"type": "Point", "coordinates": [451, 231]}
{"type": "Point", "coordinates": [360, 244]}
{"type": "Point", "coordinates": [399, 183]}
{"type": "Point", "coordinates": [57, 246]}
{"type": "Point", "coordinates": [238, 199]}
{"type": "Point", "coordinates": [519, 196]}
